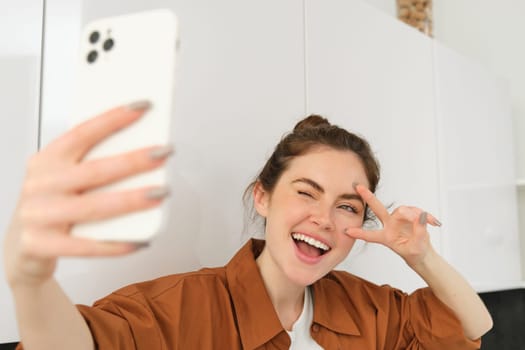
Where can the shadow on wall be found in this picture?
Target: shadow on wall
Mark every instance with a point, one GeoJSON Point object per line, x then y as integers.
{"type": "Point", "coordinates": [508, 312]}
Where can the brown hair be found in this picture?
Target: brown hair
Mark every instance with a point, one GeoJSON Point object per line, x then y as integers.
{"type": "Point", "coordinates": [315, 131]}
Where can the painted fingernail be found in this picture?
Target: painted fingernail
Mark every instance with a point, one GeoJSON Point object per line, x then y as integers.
{"type": "Point", "coordinates": [345, 231]}
{"type": "Point", "coordinates": [158, 193]}
{"type": "Point", "coordinates": [161, 152]}
{"type": "Point", "coordinates": [354, 185]}
{"type": "Point", "coordinates": [437, 222]}
{"type": "Point", "coordinates": [141, 245]}
{"type": "Point", "coordinates": [423, 218]}
{"type": "Point", "coordinates": [140, 105]}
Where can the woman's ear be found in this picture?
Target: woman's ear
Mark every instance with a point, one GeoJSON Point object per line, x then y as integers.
{"type": "Point", "coordinates": [261, 199]}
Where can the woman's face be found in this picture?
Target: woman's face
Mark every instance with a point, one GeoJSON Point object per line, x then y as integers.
{"type": "Point", "coordinates": [307, 212]}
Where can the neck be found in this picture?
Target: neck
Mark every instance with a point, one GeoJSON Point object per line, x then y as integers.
{"type": "Point", "coordinates": [287, 297]}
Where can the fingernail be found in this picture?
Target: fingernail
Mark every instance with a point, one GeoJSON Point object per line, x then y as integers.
{"type": "Point", "coordinates": [141, 245]}
{"type": "Point", "coordinates": [158, 193]}
{"type": "Point", "coordinates": [345, 231]}
{"type": "Point", "coordinates": [354, 185]}
{"type": "Point", "coordinates": [161, 152]}
{"type": "Point", "coordinates": [140, 105]}
{"type": "Point", "coordinates": [423, 218]}
{"type": "Point", "coordinates": [438, 223]}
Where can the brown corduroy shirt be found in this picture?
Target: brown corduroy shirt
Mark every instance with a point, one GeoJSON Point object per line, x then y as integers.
{"type": "Point", "coordinates": [229, 308]}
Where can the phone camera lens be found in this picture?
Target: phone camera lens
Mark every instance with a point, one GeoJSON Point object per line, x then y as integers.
{"type": "Point", "coordinates": [92, 56]}
{"type": "Point", "coordinates": [93, 37]}
{"type": "Point", "coordinates": [108, 44]}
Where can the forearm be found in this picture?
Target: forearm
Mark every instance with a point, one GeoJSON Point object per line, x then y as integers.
{"type": "Point", "coordinates": [454, 291]}
{"type": "Point", "coordinates": [47, 319]}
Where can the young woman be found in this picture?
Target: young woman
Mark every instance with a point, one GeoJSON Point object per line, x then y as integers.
{"type": "Point", "coordinates": [314, 193]}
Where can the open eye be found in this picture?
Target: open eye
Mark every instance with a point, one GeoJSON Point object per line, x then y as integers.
{"type": "Point", "coordinates": [348, 208]}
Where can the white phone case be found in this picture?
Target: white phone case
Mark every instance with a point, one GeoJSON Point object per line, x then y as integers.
{"type": "Point", "coordinates": [135, 60]}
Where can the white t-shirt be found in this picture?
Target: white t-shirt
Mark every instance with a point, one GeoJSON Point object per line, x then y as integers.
{"type": "Point", "coordinates": [300, 333]}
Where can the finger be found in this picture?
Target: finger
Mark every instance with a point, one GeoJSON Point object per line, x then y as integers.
{"type": "Point", "coordinates": [79, 140]}
{"type": "Point", "coordinates": [372, 236]}
{"type": "Point", "coordinates": [54, 244]}
{"type": "Point", "coordinates": [413, 213]}
{"type": "Point", "coordinates": [406, 213]}
{"type": "Point", "coordinates": [90, 207]}
{"type": "Point", "coordinates": [95, 173]}
{"type": "Point", "coordinates": [432, 220]}
{"type": "Point", "coordinates": [375, 205]}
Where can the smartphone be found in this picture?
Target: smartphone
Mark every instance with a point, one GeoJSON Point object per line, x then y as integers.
{"type": "Point", "coordinates": [125, 59]}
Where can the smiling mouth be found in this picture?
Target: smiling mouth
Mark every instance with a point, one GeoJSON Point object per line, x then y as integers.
{"type": "Point", "coordinates": [310, 246]}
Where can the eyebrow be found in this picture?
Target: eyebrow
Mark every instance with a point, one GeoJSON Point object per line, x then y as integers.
{"type": "Point", "coordinates": [319, 188]}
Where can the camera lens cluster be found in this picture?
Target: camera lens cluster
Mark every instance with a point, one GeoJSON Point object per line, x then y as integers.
{"type": "Point", "coordinates": [94, 39]}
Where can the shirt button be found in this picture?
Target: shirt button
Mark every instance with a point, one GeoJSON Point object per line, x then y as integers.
{"type": "Point", "coordinates": [315, 328]}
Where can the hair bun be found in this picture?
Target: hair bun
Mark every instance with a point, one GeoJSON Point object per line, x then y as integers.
{"type": "Point", "coordinates": [312, 121]}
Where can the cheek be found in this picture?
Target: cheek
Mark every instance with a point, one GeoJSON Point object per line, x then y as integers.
{"type": "Point", "coordinates": [346, 243]}
{"type": "Point", "coordinates": [344, 246]}
{"type": "Point", "coordinates": [343, 220]}
{"type": "Point", "coordinates": [285, 216]}
{"type": "Point", "coordinates": [294, 210]}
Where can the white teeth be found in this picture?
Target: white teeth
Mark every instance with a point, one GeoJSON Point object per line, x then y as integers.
{"type": "Point", "coordinates": [311, 241]}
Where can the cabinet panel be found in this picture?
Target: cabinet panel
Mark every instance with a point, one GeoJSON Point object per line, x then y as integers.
{"type": "Point", "coordinates": [373, 75]}
{"type": "Point", "coordinates": [474, 109]}
{"type": "Point", "coordinates": [477, 172]}
{"type": "Point", "coordinates": [481, 236]}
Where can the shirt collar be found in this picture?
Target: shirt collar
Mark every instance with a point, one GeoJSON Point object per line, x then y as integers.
{"type": "Point", "coordinates": [257, 320]}
{"type": "Point", "coordinates": [332, 307]}
{"type": "Point", "coordinates": [256, 317]}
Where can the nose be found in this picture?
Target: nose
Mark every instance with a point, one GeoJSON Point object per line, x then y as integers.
{"type": "Point", "coordinates": [322, 217]}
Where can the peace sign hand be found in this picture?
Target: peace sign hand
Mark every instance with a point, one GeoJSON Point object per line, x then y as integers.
{"type": "Point", "coordinates": [404, 231]}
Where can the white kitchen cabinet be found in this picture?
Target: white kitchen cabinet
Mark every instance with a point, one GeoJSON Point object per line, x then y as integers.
{"type": "Point", "coordinates": [477, 178]}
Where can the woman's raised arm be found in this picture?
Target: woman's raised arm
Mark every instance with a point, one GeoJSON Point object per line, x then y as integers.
{"type": "Point", "coordinates": [55, 195]}
{"type": "Point", "coordinates": [404, 231]}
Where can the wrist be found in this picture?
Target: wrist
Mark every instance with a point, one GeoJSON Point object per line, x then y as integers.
{"type": "Point", "coordinates": [428, 262]}
{"type": "Point", "coordinates": [28, 275]}
{"type": "Point", "coordinates": [25, 285]}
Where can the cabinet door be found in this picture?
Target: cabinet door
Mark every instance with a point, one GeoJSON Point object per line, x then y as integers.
{"type": "Point", "coordinates": [373, 75]}
{"type": "Point", "coordinates": [239, 87]}
{"type": "Point", "coordinates": [477, 172]}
